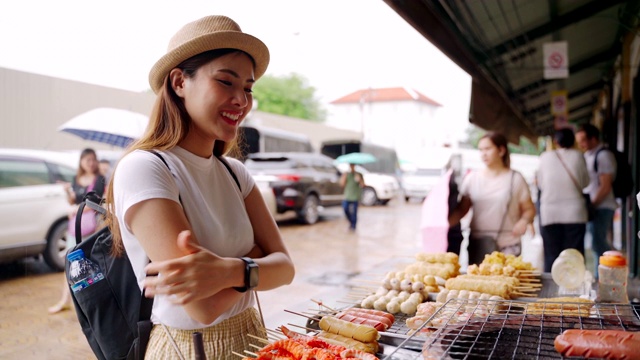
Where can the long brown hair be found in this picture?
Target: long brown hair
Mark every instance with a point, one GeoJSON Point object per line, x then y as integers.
{"type": "Point", "coordinates": [500, 141]}
{"type": "Point", "coordinates": [169, 124]}
{"type": "Point", "coordinates": [86, 152]}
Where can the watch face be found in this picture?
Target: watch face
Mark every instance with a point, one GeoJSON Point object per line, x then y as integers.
{"type": "Point", "coordinates": [253, 275]}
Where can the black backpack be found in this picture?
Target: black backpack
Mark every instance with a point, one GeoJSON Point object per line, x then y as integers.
{"type": "Point", "coordinates": [114, 314]}
{"type": "Point", "coordinates": [622, 185]}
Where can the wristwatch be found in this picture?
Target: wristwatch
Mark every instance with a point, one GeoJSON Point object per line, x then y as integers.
{"type": "Point", "coordinates": [250, 275]}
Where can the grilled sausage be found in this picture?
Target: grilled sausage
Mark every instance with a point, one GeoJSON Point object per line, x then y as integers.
{"type": "Point", "coordinates": [609, 344]}
{"type": "Point", "coordinates": [374, 312]}
{"type": "Point", "coordinates": [370, 314]}
{"type": "Point", "coordinates": [361, 320]}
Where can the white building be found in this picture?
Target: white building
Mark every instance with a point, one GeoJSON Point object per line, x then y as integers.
{"type": "Point", "coordinates": [399, 117]}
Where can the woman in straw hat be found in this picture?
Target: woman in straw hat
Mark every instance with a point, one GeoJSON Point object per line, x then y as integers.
{"type": "Point", "coordinates": [206, 233]}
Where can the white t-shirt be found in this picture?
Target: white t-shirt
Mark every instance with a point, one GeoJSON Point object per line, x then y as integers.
{"type": "Point", "coordinates": [213, 204]}
{"type": "Point", "coordinates": [562, 201]}
{"type": "Point", "coordinates": [489, 197]}
{"type": "Point", "coordinates": [606, 165]}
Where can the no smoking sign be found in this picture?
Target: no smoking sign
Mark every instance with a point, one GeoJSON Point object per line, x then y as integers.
{"type": "Point", "coordinates": [556, 61]}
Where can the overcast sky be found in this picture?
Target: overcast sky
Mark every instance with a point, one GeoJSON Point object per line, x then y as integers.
{"type": "Point", "coordinates": [340, 46]}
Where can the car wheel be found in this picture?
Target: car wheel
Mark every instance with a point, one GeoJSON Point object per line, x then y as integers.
{"type": "Point", "coordinates": [369, 197]}
{"type": "Point", "coordinates": [406, 198]}
{"type": "Point", "coordinates": [309, 214]}
{"type": "Point", "coordinates": [56, 248]}
{"type": "Point", "coordinates": [384, 202]}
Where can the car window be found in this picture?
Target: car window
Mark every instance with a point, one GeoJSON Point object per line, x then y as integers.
{"type": "Point", "coordinates": [426, 172]}
{"type": "Point", "coordinates": [271, 163]}
{"type": "Point", "coordinates": [62, 173]}
{"type": "Point", "coordinates": [23, 173]}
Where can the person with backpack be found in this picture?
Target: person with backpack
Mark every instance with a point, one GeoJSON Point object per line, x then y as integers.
{"type": "Point", "coordinates": [600, 188]}
{"type": "Point", "coordinates": [196, 229]}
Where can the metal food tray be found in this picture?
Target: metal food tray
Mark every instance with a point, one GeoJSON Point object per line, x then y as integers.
{"type": "Point", "coordinates": [508, 329]}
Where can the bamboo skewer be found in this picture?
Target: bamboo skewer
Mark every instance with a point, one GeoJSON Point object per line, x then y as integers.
{"type": "Point", "coordinates": [323, 305]}
{"type": "Point", "coordinates": [266, 341]}
{"type": "Point", "coordinates": [238, 354]}
{"type": "Point", "coordinates": [305, 316]}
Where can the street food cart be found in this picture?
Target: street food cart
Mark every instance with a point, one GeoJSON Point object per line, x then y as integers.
{"type": "Point", "coordinates": [524, 324]}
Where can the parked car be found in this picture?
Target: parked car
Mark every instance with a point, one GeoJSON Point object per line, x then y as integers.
{"type": "Point", "coordinates": [302, 183]}
{"type": "Point", "coordinates": [33, 205]}
{"type": "Point", "coordinates": [419, 182]}
{"type": "Point", "coordinates": [379, 188]}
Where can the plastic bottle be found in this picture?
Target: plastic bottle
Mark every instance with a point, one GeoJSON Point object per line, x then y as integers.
{"type": "Point", "coordinates": [568, 270]}
{"type": "Point", "coordinates": [82, 271]}
{"type": "Point", "coordinates": [612, 278]}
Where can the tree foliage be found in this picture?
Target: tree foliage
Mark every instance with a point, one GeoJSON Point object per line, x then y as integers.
{"type": "Point", "coordinates": [289, 95]}
{"type": "Point", "coordinates": [526, 147]}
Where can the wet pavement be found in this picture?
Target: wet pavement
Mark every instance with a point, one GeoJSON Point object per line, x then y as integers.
{"type": "Point", "coordinates": [331, 262]}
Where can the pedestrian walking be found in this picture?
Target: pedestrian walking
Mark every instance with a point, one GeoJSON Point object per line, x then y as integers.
{"type": "Point", "coordinates": [199, 219]}
{"type": "Point", "coordinates": [599, 189]}
{"type": "Point", "coordinates": [561, 177]}
{"type": "Point", "coordinates": [352, 182]}
{"type": "Point", "coordinates": [500, 200]}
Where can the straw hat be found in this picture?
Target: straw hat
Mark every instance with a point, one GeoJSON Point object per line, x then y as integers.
{"type": "Point", "coordinates": [208, 33]}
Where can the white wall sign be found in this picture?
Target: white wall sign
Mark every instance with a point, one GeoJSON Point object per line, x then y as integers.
{"type": "Point", "coordinates": [555, 60]}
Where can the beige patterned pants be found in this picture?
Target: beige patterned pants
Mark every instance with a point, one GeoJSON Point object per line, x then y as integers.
{"type": "Point", "coordinates": [219, 340]}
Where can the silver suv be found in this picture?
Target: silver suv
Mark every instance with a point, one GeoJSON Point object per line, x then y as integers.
{"type": "Point", "coordinates": [33, 205]}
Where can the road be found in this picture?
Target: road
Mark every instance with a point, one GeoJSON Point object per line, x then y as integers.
{"type": "Point", "coordinates": [329, 260]}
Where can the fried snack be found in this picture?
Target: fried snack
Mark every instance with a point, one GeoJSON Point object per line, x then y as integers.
{"type": "Point", "coordinates": [492, 287]}
{"type": "Point", "coordinates": [363, 333]}
{"type": "Point", "coordinates": [438, 258]}
{"type": "Point", "coordinates": [335, 339]}
{"type": "Point", "coordinates": [421, 268]}
{"type": "Point", "coordinates": [567, 306]}
{"type": "Point", "coordinates": [513, 281]}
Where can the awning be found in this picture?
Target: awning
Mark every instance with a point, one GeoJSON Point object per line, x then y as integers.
{"type": "Point", "coordinates": [500, 44]}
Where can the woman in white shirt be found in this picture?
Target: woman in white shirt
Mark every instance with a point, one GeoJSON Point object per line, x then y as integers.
{"type": "Point", "coordinates": [561, 176]}
{"type": "Point", "coordinates": [199, 219]}
{"type": "Point", "coordinates": [500, 201]}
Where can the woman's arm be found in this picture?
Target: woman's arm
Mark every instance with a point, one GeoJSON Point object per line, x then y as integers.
{"type": "Point", "coordinates": [189, 272]}
{"type": "Point", "coordinates": [528, 213]}
{"type": "Point", "coordinates": [460, 211]}
{"type": "Point", "coordinates": [276, 267]}
{"type": "Point", "coordinates": [203, 295]}
{"type": "Point", "coordinates": [343, 179]}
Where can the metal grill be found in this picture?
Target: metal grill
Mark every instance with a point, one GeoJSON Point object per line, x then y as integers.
{"type": "Point", "coordinates": [508, 329]}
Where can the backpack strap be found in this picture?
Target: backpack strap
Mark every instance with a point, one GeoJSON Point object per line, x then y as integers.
{"type": "Point", "coordinates": [226, 164]}
{"type": "Point", "coordinates": [595, 158]}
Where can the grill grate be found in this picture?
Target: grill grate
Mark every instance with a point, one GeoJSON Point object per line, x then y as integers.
{"type": "Point", "coordinates": [509, 329]}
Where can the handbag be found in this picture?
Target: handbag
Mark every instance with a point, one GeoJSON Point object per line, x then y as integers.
{"type": "Point", "coordinates": [479, 246]}
{"type": "Point", "coordinates": [88, 223]}
{"type": "Point", "coordinates": [591, 210]}
{"type": "Point", "coordinates": [89, 220]}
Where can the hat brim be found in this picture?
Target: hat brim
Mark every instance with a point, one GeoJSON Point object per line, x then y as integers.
{"type": "Point", "coordinates": [219, 40]}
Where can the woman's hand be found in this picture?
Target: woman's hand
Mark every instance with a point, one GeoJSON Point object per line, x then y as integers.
{"type": "Point", "coordinates": [196, 275]}
{"type": "Point", "coordinates": [520, 228]}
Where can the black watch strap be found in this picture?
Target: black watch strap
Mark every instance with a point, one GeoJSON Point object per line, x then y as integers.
{"type": "Point", "coordinates": [250, 273]}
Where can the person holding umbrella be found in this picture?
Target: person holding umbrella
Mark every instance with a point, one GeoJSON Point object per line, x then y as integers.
{"type": "Point", "coordinates": [352, 182]}
{"type": "Point", "coordinates": [88, 178]}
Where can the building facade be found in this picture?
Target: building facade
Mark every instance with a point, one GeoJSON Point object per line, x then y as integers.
{"type": "Point", "coordinates": [400, 118]}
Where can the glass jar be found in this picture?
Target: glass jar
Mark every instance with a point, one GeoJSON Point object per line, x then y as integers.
{"type": "Point", "coordinates": [612, 278]}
